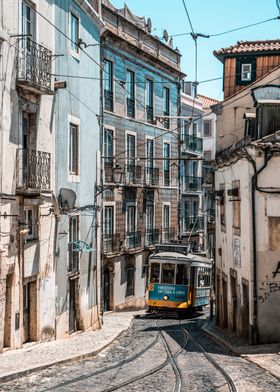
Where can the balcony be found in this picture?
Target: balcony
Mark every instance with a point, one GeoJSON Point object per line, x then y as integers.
{"type": "Point", "coordinates": [133, 239]}
{"type": "Point", "coordinates": [151, 176]}
{"type": "Point", "coordinates": [193, 184]}
{"type": "Point", "coordinates": [133, 174]}
{"type": "Point", "coordinates": [211, 215]}
{"type": "Point", "coordinates": [150, 114]}
{"type": "Point", "coordinates": [33, 170]}
{"type": "Point", "coordinates": [208, 174]}
{"type": "Point", "coordinates": [111, 243]}
{"type": "Point", "coordinates": [108, 100]}
{"type": "Point", "coordinates": [151, 237]}
{"type": "Point", "coordinates": [168, 235]}
{"type": "Point", "coordinates": [130, 107]}
{"type": "Point", "coordinates": [194, 224]}
{"type": "Point", "coordinates": [193, 144]}
{"type": "Point", "coordinates": [34, 67]}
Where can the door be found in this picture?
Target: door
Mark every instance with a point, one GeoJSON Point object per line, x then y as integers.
{"type": "Point", "coordinates": [106, 289]}
{"type": "Point", "coordinates": [149, 224]}
{"type": "Point", "coordinates": [224, 299]}
{"type": "Point", "coordinates": [8, 311]}
{"type": "Point", "coordinates": [26, 297]}
{"type": "Point", "coordinates": [130, 226]}
{"type": "Point", "coordinates": [72, 307]}
{"type": "Point", "coordinates": [191, 294]}
{"type": "Point", "coordinates": [234, 302]}
{"type": "Point", "coordinates": [30, 312]}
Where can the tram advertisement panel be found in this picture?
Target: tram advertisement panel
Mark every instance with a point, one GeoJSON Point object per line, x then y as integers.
{"type": "Point", "coordinates": [176, 293]}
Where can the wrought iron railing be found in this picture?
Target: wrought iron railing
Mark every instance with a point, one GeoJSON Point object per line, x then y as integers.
{"type": "Point", "coordinates": [208, 174]}
{"type": "Point", "coordinates": [111, 243]}
{"type": "Point", "coordinates": [33, 169]}
{"type": "Point", "coordinates": [211, 215]}
{"type": "Point", "coordinates": [193, 143]}
{"type": "Point", "coordinates": [133, 239]}
{"type": "Point", "coordinates": [151, 176]}
{"type": "Point", "coordinates": [151, 237]}
{"type": "Point", "coordinates": [133, 174]}
{"type": "Point", "coordinates": [150, 113]}
{"type": "Point", "coordinates": [166, 178]}
{"type": "Point", "coordinates": [34, 64]}
{"type": "Point", "coordinates": [108, 100]}
{"type": "Point", "coordinates": [193, 184]}
{"type": "Point", "coordinates": [168, 234]}
{"type": "Point", "coordinates": [130, 107]}
{"type": "Point", "coordinates": [194, 224]}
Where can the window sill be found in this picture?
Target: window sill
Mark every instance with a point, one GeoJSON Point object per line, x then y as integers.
{"type": "Point", "coordinates": [74, 54]}
{"type": "Point", "coordinates": [73, 177]}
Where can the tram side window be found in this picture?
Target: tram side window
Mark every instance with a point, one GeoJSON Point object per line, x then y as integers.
{"type": "Point", "coordinates": [182, 274]}
{"type": "Point", "coordinates": [204, 277]}
{"type": "Point", "coordinates": [155, 270]}
{"type": "Point", "coordinates": [168, 272]}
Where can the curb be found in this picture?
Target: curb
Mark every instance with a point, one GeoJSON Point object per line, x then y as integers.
{"type": "Point", "coordinates": [13, 376]}
{"type": "Point", "coordinates": [234, 349]}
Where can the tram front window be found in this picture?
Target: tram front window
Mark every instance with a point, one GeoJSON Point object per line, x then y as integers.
{"type": "Point", "coordinates": [155, 270]}
{"type": "Point", "coordinates": [168, 272]}
{"type": "Point", "coordinates": [182, 276]}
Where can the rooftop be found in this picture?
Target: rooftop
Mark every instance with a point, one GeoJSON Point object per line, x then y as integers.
{"type": "Point", "coordinates": [249, 47]}
{"type": "Point", "coordinates": [207, 101]}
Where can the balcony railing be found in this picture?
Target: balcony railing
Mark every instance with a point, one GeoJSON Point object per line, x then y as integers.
{"type": "Point", "coordinates": [133, 239]}
{"type": "Point", "coordinates": [33, 169]}
{"type": "Point", "coordinates": [130, 104]}
{"type": "Point", "coordinates": [151, 176]}
{"type": "Point", "coordinates": [111, 243]}
{"type": "Point", "coordinates": [108, 100]}
{"type": "Point", "coordinates": [194, 224]}
{"type": "Point", "coordinates": [211, 215]}
{"type": "Point", "coordinates": [168, 234]}
{"type": "Point", "coordinates": [193, 184]}
{"type": "Point", "coordinates": [34, 67]}
{"type": "Point", "coordinates": [193, 143]}
{"type": "Point", "coordinates": [133, 174]}
{"type": "Point", "coordinates": [150, 114]}
{"type": "Point", "coordinates": [151, 237]}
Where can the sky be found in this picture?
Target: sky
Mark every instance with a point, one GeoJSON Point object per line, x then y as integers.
{"type": "Point", "coordinates": [207, 17]}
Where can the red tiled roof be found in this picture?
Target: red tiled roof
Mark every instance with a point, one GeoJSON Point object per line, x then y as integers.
{"type": "Point", "coordinates": [207, 101]}
{"type": "Point", "coordinates": [249, 47]}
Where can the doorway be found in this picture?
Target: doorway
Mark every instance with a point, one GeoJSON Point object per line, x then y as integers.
{"type": "Point", "coordinates": [8, 312]}
{"type": "Point", "coordinates": [234, 302]}
{"type": "Point", "coordinates": [225, 312]}
{"type": "Point", "coordinates": [72, 306]}
{"type": "Point", "coordinates": [30, 312]}
{"type": "Point", "coordinates": [106, 289]}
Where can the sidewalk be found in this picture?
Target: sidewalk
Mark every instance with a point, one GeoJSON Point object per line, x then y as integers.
{"type": "Point", "coordinates": [15, 363]}
{"type": "Point", "coordinates": [266, 356]}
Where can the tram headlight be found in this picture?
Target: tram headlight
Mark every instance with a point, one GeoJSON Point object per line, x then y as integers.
{"type": "Point", "coordinates": [166, 298]}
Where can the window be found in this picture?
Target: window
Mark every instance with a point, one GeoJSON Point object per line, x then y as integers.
{"type": "Point", "coordinates": [194, 129]}
{"type": "Point", "coordinates": [191, 214]}
{"type": "Point", "coordinates": [166, 106]}
{"type": "Point", "coordinates": [250, 127]}
{"type": "Point", "coordinates": [222, 209]}
{"type": "Point", "coordinates": [155, 273]}
{"type": "Point", "coordinates": [207, 128]}
{"type": "Point", "coordinates": [108, 85]}
{"type": "Point", "coordinates": [204, 277]}
{"type": "Point", "coordinates": [130, 101]}
{"type": "Point", "coordinates": [74, 32]}
{"type": "Point", "coordinates": [31, 221]}
{"type": "Point", "coordinates": [150, 100]}
{"type": "Point", "coordinates": [168, 273]}
{"type": "Point", "coordinates": [166, 216]}
{"type": "Point", "coordinates": [268, 116]}
{"type": "Point", "coordinates": [150, 153]}
{"type": "Point", "coordinates": [166, 164]}
{"type": "Point", "coordinates": [25, 130]}
{"type": "Point", "coordinates": [73, 237]}
{"type": "Point", "coordinates": [108, 225]}
{"type": "Point", "coordinates": [130, 272]}
{"type": "Point", "coordinates": [246, 72]}
{"type": "Point", "coordinates": [130, 219]}
{"type": "Point", "coordinates": [73, 149]}
{"type": "Point", "coordinates": [182, 274]}
{"type": "Point", "coordinates": [28, 20]}
{"type": "Point", "coordinates": [108, 145]}
{"type": "Point", "coordinates": [131, 155]}
{"type": "Point", "coordinates": [236, 216]}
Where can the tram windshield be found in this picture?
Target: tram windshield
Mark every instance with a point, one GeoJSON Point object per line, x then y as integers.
{"type": "Point", "coordinates": [155, 271]}
{"type": "Point", "coordinates": [182, 276]}
{"type": "Point", "coordinates": [168, 273]}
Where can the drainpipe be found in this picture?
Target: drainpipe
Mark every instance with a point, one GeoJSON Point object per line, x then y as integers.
{"type": "Point", "coordinates": [179, 164]}
{"type": "Point", "coordinates": [255, 337]}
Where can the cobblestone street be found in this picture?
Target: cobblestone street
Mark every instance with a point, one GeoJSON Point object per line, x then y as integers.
{"type": "Point", "coordinates": [155, 354]}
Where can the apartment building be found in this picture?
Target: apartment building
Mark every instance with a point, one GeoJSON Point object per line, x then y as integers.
{"type": "Point", "coordinates": [27, 219]}
{"type": "Point", "coordinates": [141, 102]}
{"type": "Point", "coordinates": [77, 146]}
{"type": "Point", "coordinates": [247, 192]}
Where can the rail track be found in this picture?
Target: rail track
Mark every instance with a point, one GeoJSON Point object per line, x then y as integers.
{"type": "Point", "coordinates": [170, 359]}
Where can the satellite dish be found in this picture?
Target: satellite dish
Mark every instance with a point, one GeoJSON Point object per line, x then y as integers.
{"type": "Point", "coordinates": [165, 35]}
{"type": "Point", "coordinates": [67, 199]}
{"type": "Point", "coordinates": [149, 25]}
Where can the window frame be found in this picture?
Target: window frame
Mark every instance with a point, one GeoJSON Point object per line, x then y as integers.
{"type": "Point", "coordinates": [246, 79]}
{"type": "Point", "coordinates": [110, 82]}
{"type": "Point", "coordinates": [111, 205]}
{"type": "Point", "coordinates": [34, 235]}
{"type": "Point", "coordinates": [209, 122]}
{"type": "Point", "coordinates": [166, 162]}
{"type": "Point", "coordinates": [74, 176]}
{"type": "Point", "coordinates": [74, 51]}
{"type": "Point", "coordinates": [130, 90]}
{"type": "Point", "coordinates": [166, 99]}
{"type": "Point", "coordinates": [149, 94]}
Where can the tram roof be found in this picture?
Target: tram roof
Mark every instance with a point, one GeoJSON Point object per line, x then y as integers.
{"type": "Point", "coordinates": [176, 256]}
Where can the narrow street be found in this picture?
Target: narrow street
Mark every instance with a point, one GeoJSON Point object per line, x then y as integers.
{"type": "Point", "coordinates": [155, 354]}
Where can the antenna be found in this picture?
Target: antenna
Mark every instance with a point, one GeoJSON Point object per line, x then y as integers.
{"type": "Point", "coordinates": [165, 35]}
{"type": "Point", "coordinates": [67, 199]}
{"type": "Point", "coordinates": [149, 25]}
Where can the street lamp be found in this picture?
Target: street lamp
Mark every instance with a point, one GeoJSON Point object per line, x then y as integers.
{"type": "Point", "coordinates": [117, 173]}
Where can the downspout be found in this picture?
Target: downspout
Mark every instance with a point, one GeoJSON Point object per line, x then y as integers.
{"type": "Point", "coordinates": [255, 337]}
{"type": "Point", "coordinates": [179, 163]}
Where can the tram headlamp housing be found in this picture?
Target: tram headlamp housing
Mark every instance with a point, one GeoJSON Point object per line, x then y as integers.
{"type": "Point", "coordinates": [166, 298]}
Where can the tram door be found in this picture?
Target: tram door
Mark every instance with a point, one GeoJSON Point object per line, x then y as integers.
{"type": "Point", "coordinates": [192, 286]}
